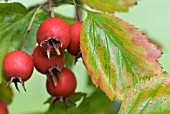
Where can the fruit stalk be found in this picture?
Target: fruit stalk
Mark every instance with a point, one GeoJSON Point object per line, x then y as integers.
{"type": "Point", "coordinates": [77, 11]}
{"type": "Point", "coordinates": [51, 9]}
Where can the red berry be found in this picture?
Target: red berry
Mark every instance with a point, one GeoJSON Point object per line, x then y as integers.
{"type": "Point", "coordinates": [43, 64]}
{"type": "Point", "coordinates": [65, 85]}
{"type": "Point", "coordinates": [54, 35]}
{"type": "Point", "coordinates": [17, 67]}
{"type": "Point", "coordinates": [74, 46]}
{"type": "Point", "coordinates": [3, 108]}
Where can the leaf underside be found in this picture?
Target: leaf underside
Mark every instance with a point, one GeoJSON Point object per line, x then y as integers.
{"type": "Point", "coordinates": [110, 5]}
{"type": "Point", "coordinates": [149, 97]}
{"type": "Point", "coordinates": [116, 54]}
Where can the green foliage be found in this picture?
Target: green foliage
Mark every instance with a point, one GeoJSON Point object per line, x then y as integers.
{"type": "Point", "coordinates": [111, 5]}
{"type": "Point", "coordinates": [87, 105]}
{"type": "Point", "coordinates": [13, 31]}
{"type": "Point", "coordinates": [60, 108]}
{"type": "Point", "coordinates": [11, 35]}
{"type": "Point", "coordinates": [10, 13]}
{"type": "Point", "coordinates": [149, 97]}
{"type": "Point", "coordinates": [115, 54]}
{"type": "Point", "coordinates": [6, 93]}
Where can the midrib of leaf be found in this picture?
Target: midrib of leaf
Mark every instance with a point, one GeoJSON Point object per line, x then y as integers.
{"type": "Point", "coordinates": [117, 44]}
{"type": "Point", "coordinates": [153, 94]}
{"type": "Point", "coordinates": [119, 59]}
{"type": "Point", "coordinates": [93, 43]}
{"type": "Point", "coordinates": [107, 55]}
{"type": "Point", "coordinates": [12, 13]}
{"type": "Point", "coordinates": [15, 21]}
{"type": "Point", "coordinates": [148, 101]}
{"type": "Point", "coordinates": [136, 101]}
{"type": "Point", "coordinates": [161, 101]}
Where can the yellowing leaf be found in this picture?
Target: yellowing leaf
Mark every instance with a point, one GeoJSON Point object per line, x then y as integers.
{"type": "Point", "coordinates": [110, 5]}
{"type": "Point", "coordinates": [149, 97]}
{"type": "Point", "coordinates": [116, 54]}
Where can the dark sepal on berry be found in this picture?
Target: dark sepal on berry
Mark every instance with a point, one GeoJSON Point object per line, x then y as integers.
{"type": "Point", "coordinates": [63, 100]}
{"type": "Point", "coordinates": [51, 44]}
{"type": "Point", "coordinates": [51, 75]}
{"type": "Point", "coordinates": [79, 54]}
{"type": "Point", "coordinates": [16, 80]}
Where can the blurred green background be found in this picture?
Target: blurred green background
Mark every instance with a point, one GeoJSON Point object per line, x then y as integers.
{"type": "Point", "coordinates": [150, 16]}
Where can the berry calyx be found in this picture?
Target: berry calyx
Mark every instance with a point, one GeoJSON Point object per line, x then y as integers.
{"type": "Point", "coordinates": [54, 35]}
{"type": "Point", "coordinates": [74, 46]}
{"type": "Point", "coordinates": [43, 64]}
{"type": "Point", "coordinates": [17, 67]}
{"type": "Point", "coordinates": [65, 85]}
{"type": "Point", "coordinates": [3, 108]}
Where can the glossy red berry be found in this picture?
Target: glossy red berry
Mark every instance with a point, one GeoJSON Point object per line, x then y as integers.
{"type": "Point", "coordinates": [54, 35]}
{"type": "Point", "coordinates": [17, 67]}
{"type": "Point", "coordinates": [43, 64]}
{"type": "Point", "coordinates": [74, 47]}
{"type": "Point", "coordinates": [3, 108]}
{"type": "Point", "coordinates": [65, 85]}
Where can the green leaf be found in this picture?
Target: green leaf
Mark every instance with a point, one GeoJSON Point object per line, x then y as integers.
{"type": "Point", "coordinates": [8, 34]}
{"type": "Point", "coordinates": [11, 35]}
{"type": "Point", "coordinates": [6, 93]}
{"type": "Point", "coordinates": [116, 54]}
{"type": "Point", "coordinates": [111, 5]}
{"type": "Point", "coordinates": [69, 60]}
{"type": "Point", "coordinates": [99, 99]}
{"type": "Point", "coordinates": [149, 97]}
{"type": "Point", "coordinates": [10, 13]}
{"type": "Point", "coordinates": [86, 105]}
{"type": "Point", "coordinates": [59, 108]}
{"type": "Point", "coordinates": [14, 21]}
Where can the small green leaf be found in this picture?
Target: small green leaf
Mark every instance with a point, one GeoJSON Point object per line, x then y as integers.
{"type": "Point", "coordinates": [111, 5]}
{"type": "Point", "coordinates": [6, 93]}
{"type": "Point", "coordinates": [149, 97]}
{"type": "Point", "coordinates": [116, 54]}
{"type": "Point", "coordinates": [99, 99]}
{"type": "Point", "coordinates": [69, 60]}
{"type": "Point", "coordinates": [10, 13]}
{"type": "Point", "coordinates": [59, 108]}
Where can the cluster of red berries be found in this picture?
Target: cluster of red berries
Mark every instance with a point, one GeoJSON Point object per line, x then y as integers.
{"type": "Point", "coordinates": [54, 35]}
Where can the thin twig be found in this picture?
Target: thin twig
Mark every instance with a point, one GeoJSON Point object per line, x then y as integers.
{"type": "Point", "coordinates": [51, 8]}
{"type": "Point", "coordinates": [30, 24]}
{"type": "Point", "coordinates": [77, 10]}
{"type": "Point", "coordinates": [65, 3]}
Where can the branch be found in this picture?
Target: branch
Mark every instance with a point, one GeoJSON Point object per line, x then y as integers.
{"type": "Point", "coordinates": [30, 24]}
